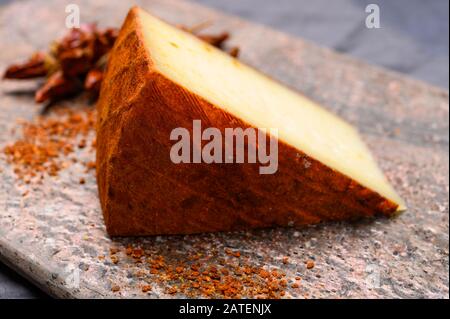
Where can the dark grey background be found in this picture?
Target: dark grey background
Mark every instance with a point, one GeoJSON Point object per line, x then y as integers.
{"type": "Point", "coordinates": [413, 39]}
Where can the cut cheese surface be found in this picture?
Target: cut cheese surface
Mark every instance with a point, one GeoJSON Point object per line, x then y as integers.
{"type": "Point", "coordinates": [262, 102]}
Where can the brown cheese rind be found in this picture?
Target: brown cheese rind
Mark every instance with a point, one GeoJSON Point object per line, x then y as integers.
{"type": "Point", "coordinates": [143, 193]}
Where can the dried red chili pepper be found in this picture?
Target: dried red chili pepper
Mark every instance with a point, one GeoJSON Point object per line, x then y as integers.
{"type": "Point", "coordinates": [33, 68]}
{"type": "Point", "coordinates": [215, 40]}
{"type": "Point", "coordinates": [93, 81]}
{"type": "Point", "coordinates": [234, 52]}
{"type": "Point", "coordinates": [58, 86]}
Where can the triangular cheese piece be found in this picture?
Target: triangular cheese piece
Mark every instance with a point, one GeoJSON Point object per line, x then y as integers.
{"type": "Point", "coordinates": [160, 78]}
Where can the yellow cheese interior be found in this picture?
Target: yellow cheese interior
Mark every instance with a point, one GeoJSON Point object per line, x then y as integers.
{"type": "Point", "coordinates": [262, 102]}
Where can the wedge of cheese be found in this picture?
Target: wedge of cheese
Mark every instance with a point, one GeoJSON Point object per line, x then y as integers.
{"type": "Point", "coordinates": [160, 78]}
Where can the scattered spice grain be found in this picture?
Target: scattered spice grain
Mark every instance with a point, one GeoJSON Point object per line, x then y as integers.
{"type": "Point", "coordinates": [146, 288]}
{"type": "Point", "coordinates": [115, 288]}
{"type": "Point", "coordinates": [172, 290]}
{"type": "Point", "coordinates": [114, 259]}
{"type": "Point", "coordinates": [310, 264]}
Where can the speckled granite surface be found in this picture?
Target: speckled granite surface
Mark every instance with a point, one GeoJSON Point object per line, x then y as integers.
{"type": "Point", "coordinates": [56, 232]}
